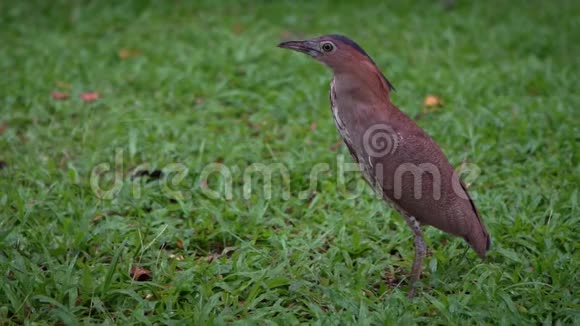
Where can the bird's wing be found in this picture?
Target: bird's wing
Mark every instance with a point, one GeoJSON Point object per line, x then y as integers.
{"type": "Point", "coordinates": [484, 234]}
{"type": "Point", "coordinates": [418, 147]}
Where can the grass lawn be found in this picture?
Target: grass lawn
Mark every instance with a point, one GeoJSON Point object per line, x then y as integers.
{"type": "Point", "coordinates": [187, 88]}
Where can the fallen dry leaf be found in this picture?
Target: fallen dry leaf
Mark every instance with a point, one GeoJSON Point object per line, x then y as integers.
{"type": "Point", "coordinates": [127, 53]}
{"type": "Point", "coordinates": [336, 146]}
{"type": "Point", "coordinates": [238, 29]}
{"type": "Point", "coordinates": [97, 218]}
{"type": "Point", "coordinates": [3, 127]}
{"type": "Point", "coordinates": [140, 274]}
{"type": "Point", "coordinates": [90, 96]}
{"type": "Point", "coordinates": [123, 53]}
{"type": "Point", "coordinates": [313, 126]}
{"type": "Point", "coordinates": [179, 244]}
{"type": "Point", "coordinates": [432, 101]}
{"type": "Point", "coordinates": [59, 96]}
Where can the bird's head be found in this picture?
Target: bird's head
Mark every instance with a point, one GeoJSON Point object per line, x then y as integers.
{"type": "Point", "coordinates": [338, 52]}
{"type": "Point", "coordinates": [332, 50]}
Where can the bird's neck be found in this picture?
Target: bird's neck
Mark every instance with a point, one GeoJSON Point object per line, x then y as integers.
{"type": "Point", "coordinates": [363, 85]}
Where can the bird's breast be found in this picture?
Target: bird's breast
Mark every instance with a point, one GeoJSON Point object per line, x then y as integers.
{"type": "Point", "coordinates": [352, 114]}
{"type": "Point", "coordinates": [336, 114]}
{"type": "Point", "coordinates": [346, 125]}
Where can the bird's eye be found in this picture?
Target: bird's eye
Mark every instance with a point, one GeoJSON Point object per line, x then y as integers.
{"type": "Point", "coordinates": [327, 47]}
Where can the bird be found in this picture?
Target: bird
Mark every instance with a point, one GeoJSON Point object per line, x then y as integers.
{"type": "Point", "coordinates": [398, 159]}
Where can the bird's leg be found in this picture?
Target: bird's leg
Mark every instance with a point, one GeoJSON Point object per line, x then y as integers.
{"type": "Point", "coordinates": [420, 251]}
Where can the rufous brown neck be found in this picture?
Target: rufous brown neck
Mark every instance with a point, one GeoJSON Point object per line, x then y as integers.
{"type": "Point", "coordinates": [362, 82]}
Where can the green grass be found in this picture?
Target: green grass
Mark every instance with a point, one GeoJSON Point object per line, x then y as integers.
{"type": "Point", "coordinates": [207, 85]}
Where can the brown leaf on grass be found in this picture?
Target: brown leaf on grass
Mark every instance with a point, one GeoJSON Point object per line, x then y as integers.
{"type": "Point", "coordinates": [97, 218]}
{"type": "Point", "coordinates": [431, 104]}
{"type": "Point", "coordinates": [59, 96]}
{"type": "Point", "coordinates": [123, 53]}
{"type": "Point", "coordinates": [90, 96]}
{"type": "Point", "coordinates": [336, 145]}
{"type": "Point", "coordinates": [3, 127]}
{"type": "Point", "coordinates": [127, 53]}
{"type": "Point", "coordinates": [313, 126]}
{"type": "Point", "coordinates": [179, 244]}
{"type": "Point", "coordinates": [198, 100]}
{"type": "Point", "coordinates": [432, 101]}
{"type": "Point", "coordinates": [238, 29]}
{"type": "Point", "coordinates": [140, 274]}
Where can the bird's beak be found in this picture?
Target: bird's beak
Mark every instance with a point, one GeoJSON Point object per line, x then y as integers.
{"type": "Point", "coordinates": [309, 47]}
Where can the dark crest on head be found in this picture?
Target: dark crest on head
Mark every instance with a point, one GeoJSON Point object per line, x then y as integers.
{"type": "Point", "coordinates": [357, 47]}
